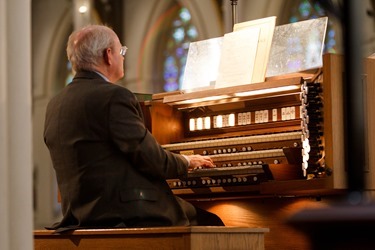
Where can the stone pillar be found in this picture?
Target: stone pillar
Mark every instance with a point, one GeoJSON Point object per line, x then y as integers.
{"type": "Point", "coordinates": [16, 213]}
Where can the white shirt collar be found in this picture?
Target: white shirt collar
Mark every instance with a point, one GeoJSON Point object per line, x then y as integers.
{"type": "Point", "coordinates": [103, 76]}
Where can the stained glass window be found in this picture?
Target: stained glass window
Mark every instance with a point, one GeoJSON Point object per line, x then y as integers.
{"type": "Point", "coordinates": [306, 10]}
{"type": "Point", "coordinates": [181, 33]}
{"type": "Point", "coordinates": [70, 75]}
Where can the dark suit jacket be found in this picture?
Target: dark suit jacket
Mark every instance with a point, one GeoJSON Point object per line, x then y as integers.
{"type": "Point", "coordinates": [110, 170]}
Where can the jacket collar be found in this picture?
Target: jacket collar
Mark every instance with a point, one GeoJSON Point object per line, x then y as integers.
{"type": "Point", "coordinates": [87, 75]}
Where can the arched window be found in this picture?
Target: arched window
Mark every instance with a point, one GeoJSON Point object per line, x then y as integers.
{"type": "Point", "coordinates": [69, 73]}
{"type": "Point", "coordinates": [179, 33]}
{"type": "Point", "coordinates": [306, 10]}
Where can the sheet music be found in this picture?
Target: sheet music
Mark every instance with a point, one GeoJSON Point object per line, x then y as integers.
{"type": "Point", "coordinates": [297, 47]}
{"type": "Point", "coordinates": [238, 58]}
{"type": "Point", "coordinates": [267, 27]}
{"type": "Point", "coordinates": [202, 64]}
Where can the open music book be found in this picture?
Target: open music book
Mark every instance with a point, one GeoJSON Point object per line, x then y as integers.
{"type": "Point", "coordinates": [202, 65]}
{"type": "Point", "coordinates": [239, 57]}
{"type": "Point", "coordinates": [253, 51]}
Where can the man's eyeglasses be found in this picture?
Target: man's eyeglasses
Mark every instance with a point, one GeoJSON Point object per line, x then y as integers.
{"type": "Point", "coordinates": [123, 50]}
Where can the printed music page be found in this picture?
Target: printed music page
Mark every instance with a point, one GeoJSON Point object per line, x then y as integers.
{"type": "Point", "coordinates": [267, 27]}
{"type": "Point", "coordinates": [202, 64]}
{"type": "Point", "coordinates": [297, 47]}
{"type": "Point", "coordinates": [238, 58]}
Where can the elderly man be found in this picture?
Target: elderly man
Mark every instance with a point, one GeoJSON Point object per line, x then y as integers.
{"type": "Point", "coordinates": [110, 170]}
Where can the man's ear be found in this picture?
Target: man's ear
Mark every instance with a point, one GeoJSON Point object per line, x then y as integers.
{"type": "Point", "coordinates": [107, 55]}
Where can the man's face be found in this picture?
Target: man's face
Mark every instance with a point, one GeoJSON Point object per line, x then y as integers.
{"type": "Point", "coordinates": [118, 62]}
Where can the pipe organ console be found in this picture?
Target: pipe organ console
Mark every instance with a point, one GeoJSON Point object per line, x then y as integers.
{"type": "Point", "coordinates": [283, 135]}
{"type": "Point", "coordinates": [254, 133]}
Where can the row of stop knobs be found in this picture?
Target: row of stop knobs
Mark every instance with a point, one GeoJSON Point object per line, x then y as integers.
{"type": "Point", "coordinates": [227, 150]}
{"type": "Point", "coordinates": [212, 182]}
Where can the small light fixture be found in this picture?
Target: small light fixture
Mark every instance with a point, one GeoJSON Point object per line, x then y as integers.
{"type": "Point", "coordinates": [267, 91]}
{"type": "Point", "coordinates": [82, 9]}
{"type": "Point", "coordinates": [207, 122]}
{"type": "Point", "coordinates": [192, 124]}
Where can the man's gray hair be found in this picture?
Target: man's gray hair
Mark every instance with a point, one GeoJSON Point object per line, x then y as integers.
{"type": "Point", "coordinates": [86, 47]}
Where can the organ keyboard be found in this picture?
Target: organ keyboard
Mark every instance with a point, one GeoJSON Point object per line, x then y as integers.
{"type": "Point", "coordinates": [223, 176]}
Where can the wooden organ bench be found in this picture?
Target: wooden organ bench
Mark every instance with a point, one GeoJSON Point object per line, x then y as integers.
{"type": "Point", "coordinates": [195, 237]}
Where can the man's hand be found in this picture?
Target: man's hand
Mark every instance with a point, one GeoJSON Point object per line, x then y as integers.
{"type": "Point", "coordinates": [200, 161]}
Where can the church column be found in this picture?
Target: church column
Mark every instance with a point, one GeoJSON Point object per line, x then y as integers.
{"type": "Point", "coordinates": [16, 214]}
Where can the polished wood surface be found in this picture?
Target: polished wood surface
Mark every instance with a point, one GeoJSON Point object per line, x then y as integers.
{"type": "Point", "coordinates": [334, 118]}
{"type": "Point", "coordinates": [214, 238]}
{"type": "Point", "coordinates": [228, 94]}
{"type": "Point", "coordinates": [269, 212]}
